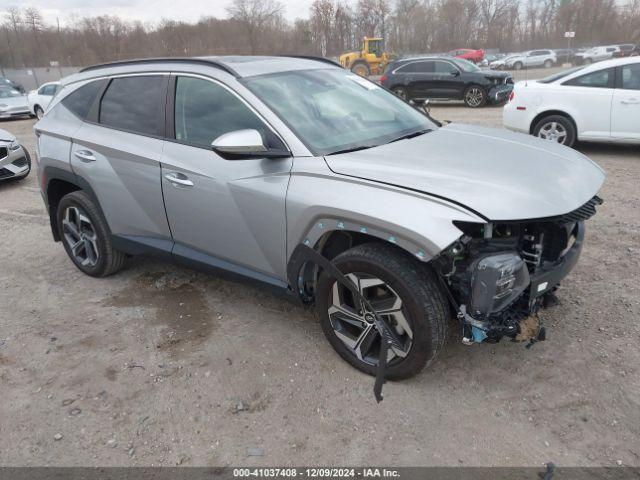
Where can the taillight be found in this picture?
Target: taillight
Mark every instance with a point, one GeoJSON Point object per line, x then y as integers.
{"type": "Point", "coordinates": [383, 79]}
{"type": "Point", "coordinates": [512, 95]}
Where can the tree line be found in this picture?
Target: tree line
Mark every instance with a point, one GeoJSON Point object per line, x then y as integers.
{"type": "Point", "coordinates": [333, 26]}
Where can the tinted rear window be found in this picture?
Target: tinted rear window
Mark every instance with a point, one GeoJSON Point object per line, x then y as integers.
{"type": "Point", "coordinates": [135, 104]}
{"type": "Point", "coordinates": [80, 101]}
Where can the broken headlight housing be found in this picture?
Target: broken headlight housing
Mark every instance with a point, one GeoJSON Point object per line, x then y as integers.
{"type": "Point", "coordinates": [496, 281]}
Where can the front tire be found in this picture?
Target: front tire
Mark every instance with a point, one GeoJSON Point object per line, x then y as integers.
{"type": "Point", "coordinates": [518, 65]}
{"type": "Point", "coordinates": [548, 64]}
{"type": "Point", "coordinates": [39, 112]}
{"type": "Point", "coordinates": [405, 292]}
{"type": "Point", "coordinates": [85, 236]}
{"type": "Point", "coordinates": [401, 92]}
{"type": "Point", "coordinates": [556, 128]}
{"type": "Point", "coordinates": [475, 96]}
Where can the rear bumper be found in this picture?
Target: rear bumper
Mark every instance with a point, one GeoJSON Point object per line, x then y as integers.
{"type": "Point", "coordinates": [514, 119]}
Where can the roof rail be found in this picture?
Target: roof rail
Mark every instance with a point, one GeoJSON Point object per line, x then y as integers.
{"type": "Point", "coordinates": [311, 57]}
{"type": "Point", "coordinates": [202, 61]}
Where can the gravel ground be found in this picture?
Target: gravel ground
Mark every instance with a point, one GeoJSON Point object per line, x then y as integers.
{"type": "Point", "coordinates": [160, 365]}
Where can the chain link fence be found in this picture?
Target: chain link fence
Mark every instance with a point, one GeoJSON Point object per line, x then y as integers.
{"type": "Point", "coordinates": [32, 78]}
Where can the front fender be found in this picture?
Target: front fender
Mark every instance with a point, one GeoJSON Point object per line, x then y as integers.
{"type": "Point", "coordinates": [320, 201]}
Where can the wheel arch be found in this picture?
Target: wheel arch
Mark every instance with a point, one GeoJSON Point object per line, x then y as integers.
{"type": "Point", "coordinates": [548, 113]}
{"type": "Point", "coordinates": [57, 183]}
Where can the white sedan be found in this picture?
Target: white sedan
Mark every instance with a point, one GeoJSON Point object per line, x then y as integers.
{"type": "Point", "coordinates": [39, 99]}
{"type": "Point", "coordinates": [596, 103]}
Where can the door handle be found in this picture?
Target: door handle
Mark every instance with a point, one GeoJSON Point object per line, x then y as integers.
{"type": "Point", "coordinates": [178, 179]}
{"type": "Point", "coordinates": [630, 101]}
{"type": "Point", "coordinates": [85, 155]}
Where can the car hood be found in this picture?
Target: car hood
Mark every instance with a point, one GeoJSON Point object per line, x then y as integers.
{"type": "Point", "coordinates": [6, 136]}
{"type": "Point", "coordinates": [499, 174]}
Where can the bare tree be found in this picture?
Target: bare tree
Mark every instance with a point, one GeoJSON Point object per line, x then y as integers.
{"type": "Point", "coordinates": [256, 16]}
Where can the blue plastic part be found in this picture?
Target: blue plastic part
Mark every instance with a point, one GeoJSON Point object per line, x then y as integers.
{"type": "Point", "coordinates": [307, 241]}
{"type": "Point", "coordinates": [363, 229]}
{"type": "Point", "coordinates": [478, 334]}
{"type": "Point", "coordinates": [392, 239]}
{"type": "Point", "coordinates": [340, 224]}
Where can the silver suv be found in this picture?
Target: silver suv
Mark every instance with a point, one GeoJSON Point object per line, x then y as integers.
{"type": "Point", "coordinates": [304, 177]}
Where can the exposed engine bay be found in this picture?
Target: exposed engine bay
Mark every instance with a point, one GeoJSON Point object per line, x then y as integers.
{"type": "Point", "coordinates": [499, 274]}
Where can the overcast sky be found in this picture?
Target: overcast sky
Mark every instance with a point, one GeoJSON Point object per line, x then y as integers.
{"type": "Point", "coordinates": [144, 10]}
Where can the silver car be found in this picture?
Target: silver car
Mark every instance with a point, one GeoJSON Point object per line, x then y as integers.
{"type": "Point", "coordinates": [13, 103]}
{"type": "Point", "coordinates": [315, 182]}
{"type": "Point", "coordinates": [15, 162]}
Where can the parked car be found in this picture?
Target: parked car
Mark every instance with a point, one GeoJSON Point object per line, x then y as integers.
{"type": "Point", "coordinates": [625, 50]}
{"type": "Point", "coordinates": [565, 55]}
{"type": "Point", "coordinates": [15, 162]}
{"type": "Point", "coordinates": [488, 59]}
{"type": "Point", "coordinates": [12, 103]}
{"type": "Point", "coordinates": [322, 185]}
{"type": "Point", "coordinates": [445, 78]}
{"type": "Point", "coordinates": [636, 51]}
{"type": "Point", "coordinates": [598, 103]}
{"type": "Point", "coordinates": [533, 58]}
{"type": "Point", "coordinates": [595, 54]}
{"type": "Point", "coordinates": [5, 82]}
{"type": "Point", "coordinates": [475, 56]}
{"type": "Point", "coordinates": [39, 99]}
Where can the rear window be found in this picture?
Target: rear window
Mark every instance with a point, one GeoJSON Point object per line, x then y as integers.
{"type": "Point", "coordinates": [81, 100]}
{"type": "Point", "coordinates": [559, 75]}
{"type": "Point", "coordinates": [135, 104]}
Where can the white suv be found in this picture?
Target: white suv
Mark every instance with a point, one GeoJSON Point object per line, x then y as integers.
{"type": "Point", "coordinates": [533, 58]}
{"type": "Point", "coordinates": [596, 54]}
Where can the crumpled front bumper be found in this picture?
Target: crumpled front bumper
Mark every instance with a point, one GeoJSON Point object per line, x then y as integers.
{"type": "Point", "coordinates": [500, 93]}
{"type": "Point", "coordinates": [544, 279]}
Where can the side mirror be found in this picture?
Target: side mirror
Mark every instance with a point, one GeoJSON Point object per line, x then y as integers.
{"type": "Point", "coordinates": [455, 73]}
{"type": "Point", "coordinates": [241, 144]}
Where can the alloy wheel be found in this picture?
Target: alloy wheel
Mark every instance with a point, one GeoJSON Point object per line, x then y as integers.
{"type": "Point", "coordinates": [354, 325]}
{"type": "Point", "coordinates": [80, 236]}
{"type": "Point", "coordinates": [554, 132]}
{"type": "Point", "coordinates": [474, 97]}
{"type": "Point", "coordinates": [39, 113]}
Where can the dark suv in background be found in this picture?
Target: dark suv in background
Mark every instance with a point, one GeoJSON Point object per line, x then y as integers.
{"type": "Point", "coordinates": [426, 78]}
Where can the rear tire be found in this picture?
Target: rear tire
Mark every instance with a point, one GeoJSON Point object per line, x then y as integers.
{"type": "Point", "coordinates": [85, 236]}
{"type": "Point", "coordinates": [424, 310]}
{"type": "Point", "coordinates": [556, 128]}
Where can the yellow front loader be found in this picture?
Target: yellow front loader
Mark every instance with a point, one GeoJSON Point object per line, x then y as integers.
{"type": "Point", "coordinates": [371, 60]}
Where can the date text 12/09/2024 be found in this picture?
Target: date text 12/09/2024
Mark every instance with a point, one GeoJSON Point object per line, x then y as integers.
{"type": "Point", "coordinates": [316, 472]}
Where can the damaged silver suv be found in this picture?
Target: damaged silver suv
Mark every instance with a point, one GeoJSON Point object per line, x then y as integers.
{"type": "Point", "coordinates": [306, 178]}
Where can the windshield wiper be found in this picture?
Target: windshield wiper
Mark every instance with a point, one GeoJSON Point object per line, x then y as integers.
{"type": "Point", "coordinates": [352, 149]}
{"type": "Point", "coordinates": [411, 135]}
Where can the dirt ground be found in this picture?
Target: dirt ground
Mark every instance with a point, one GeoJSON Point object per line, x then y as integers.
{"type": "Point", "coordinates": [161, 365]}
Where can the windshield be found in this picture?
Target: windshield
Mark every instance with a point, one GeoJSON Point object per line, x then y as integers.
{"type": "Point", "coordinates": [465, 65]}
{"type": "Point", "coordinates": [335, 110]}
{"type": "Point", "coordinates": [7, 93]}
{"type": "Point", "coordinates": [559, 75]}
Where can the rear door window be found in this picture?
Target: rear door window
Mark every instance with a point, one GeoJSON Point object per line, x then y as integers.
{"type": "Point", "coordinates": [135, 104]}
{"type": "Point", "coordinates": [81, 100]}
{"type": "Point", "coordinates": [599, 79]}
{"type": "Point", "coordinates": [418, 67]}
